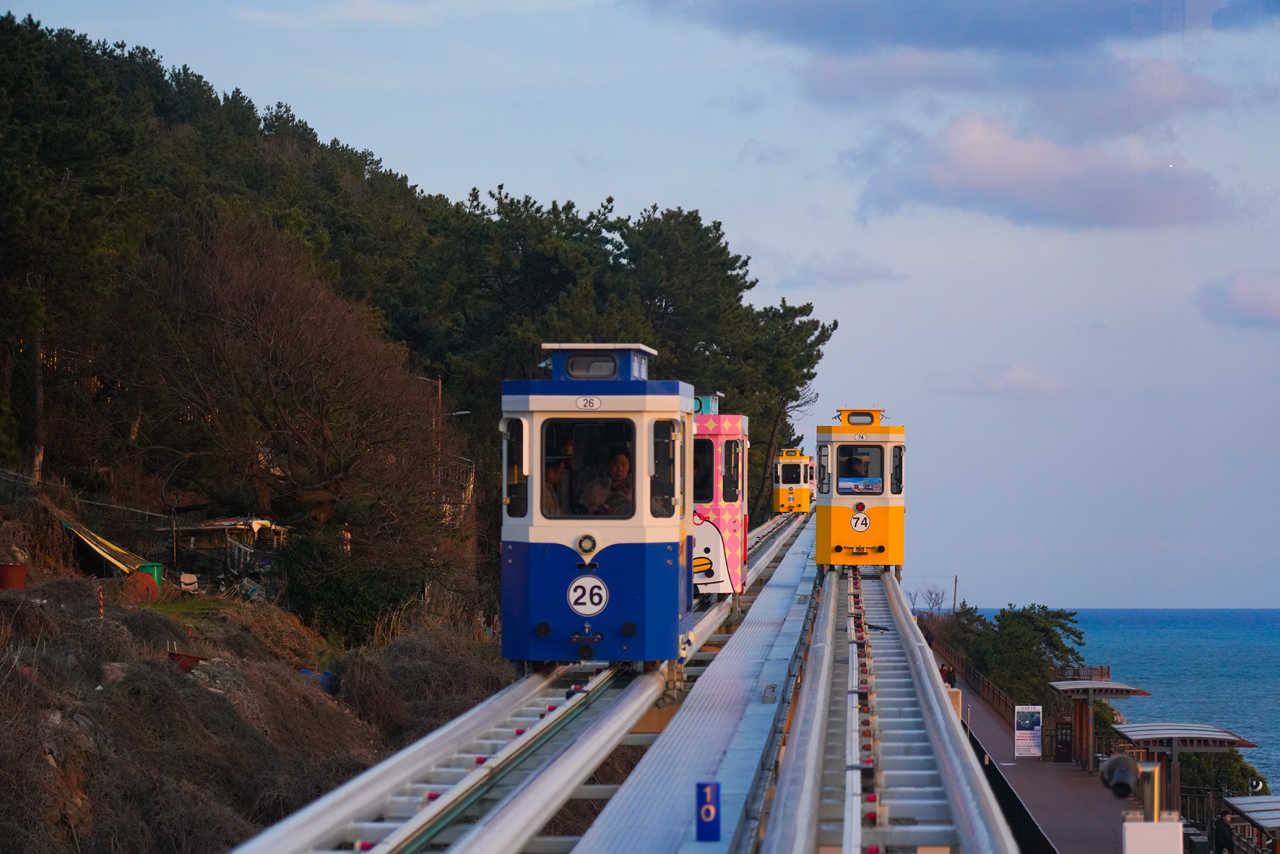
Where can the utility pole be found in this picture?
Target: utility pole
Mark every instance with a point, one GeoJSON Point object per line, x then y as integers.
{"type": "Point", "coordinates": [955, 586]}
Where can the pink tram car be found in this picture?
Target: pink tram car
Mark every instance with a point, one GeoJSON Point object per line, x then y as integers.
{"type": "Point", "coordinates": [719, 497]}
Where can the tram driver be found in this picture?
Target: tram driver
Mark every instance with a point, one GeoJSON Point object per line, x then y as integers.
{"type": "Point", "coordinates": [613, 493]}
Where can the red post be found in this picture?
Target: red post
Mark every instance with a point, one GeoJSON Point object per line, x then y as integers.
{"type": "Point", "coordinates": [101, 611]}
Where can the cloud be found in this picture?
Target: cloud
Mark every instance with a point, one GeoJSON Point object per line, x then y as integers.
{"type": "Point", "coordinates": [1016, 380]}
{"type": "Point", "coordinates": [977, 164]}
{"type": "Point", "coordinates": [844, 270]}
{"type": "Point", "coordinates": [1049, 25]}
{"type": "Point", "coordinates": [341, 13]}
{"type": "Point", "coordinates": [1239, 14]}
{"type": "Point", "coordinates": [1248, 300]}
{"type": "Point", "coordinates": [1076, 96]}
{"type": "Point", "coordinates": [765, 154]}
{"type": "Point", "coordinates": [742, 102]}
{"type": "Point", "coordinates": [892, 141]}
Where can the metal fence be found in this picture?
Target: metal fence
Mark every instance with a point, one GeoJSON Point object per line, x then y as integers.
{"type": "Point", "coordinates": [988, 690]}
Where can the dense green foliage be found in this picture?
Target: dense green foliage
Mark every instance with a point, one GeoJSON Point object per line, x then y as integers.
{"type": "Point", "coordinates": [1226, 772]}
{"type": "Point", "coordinates": [1021, 650]}
{"type": "Point", "coordinates": [209, 299]}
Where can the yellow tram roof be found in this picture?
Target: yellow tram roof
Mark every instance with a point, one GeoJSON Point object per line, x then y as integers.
{"type": "Point", "coordinates": [792, 453]}
{"type": "Point", "coordinates": [861, 422]}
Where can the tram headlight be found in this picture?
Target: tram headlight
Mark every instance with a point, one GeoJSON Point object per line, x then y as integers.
{"type": "Point", "coordinates": [586, 544]}
{"type": "Point", "coordinates": [859, 507]}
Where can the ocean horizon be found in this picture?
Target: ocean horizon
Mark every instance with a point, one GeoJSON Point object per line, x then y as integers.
{"type": "Point", "coordinates": [1215, 666]}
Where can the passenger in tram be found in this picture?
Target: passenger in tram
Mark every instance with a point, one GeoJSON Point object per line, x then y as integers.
{"type": "Point", "coordinates": [613, 493]}
{"type": "Point", "coordinates": [552, 478]}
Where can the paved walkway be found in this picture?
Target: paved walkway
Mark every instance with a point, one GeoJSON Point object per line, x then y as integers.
{"type": "Point", "coordinates": [1071, 806]}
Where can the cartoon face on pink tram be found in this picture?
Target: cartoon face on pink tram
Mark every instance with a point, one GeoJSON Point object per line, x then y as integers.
{"type": "Point", "coordinates": [720, 502]}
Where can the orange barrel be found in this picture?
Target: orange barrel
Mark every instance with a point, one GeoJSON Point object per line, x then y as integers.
{"type": "Point", "coordinates": [13, 576]}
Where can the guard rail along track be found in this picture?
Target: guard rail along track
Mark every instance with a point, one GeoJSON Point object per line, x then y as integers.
{"type": "Point", "coordinates": [489, 779]}
{"type": "Point", "coordinates": [876, 758]}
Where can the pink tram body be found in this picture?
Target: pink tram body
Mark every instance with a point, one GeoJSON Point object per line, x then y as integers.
{"type": "Point", "coordinates": [720, 501]}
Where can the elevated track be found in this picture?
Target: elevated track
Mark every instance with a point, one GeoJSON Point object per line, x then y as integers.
{"type": "Point", "coordinates": [827, 665]}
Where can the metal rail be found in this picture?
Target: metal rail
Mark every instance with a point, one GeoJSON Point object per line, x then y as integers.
{"type": "Point", "coordinates": [901, 766]}
{"type": "Point", "coordinates": [799, 790]}
{"type": "Point", "coordinates": [978, 820]}
{"type": "Point", "coordinates": [517, 820]}
{"type": "Point", "coordinates": [401, 803]}
{"type": "Point", "coordinates": [426, 775]}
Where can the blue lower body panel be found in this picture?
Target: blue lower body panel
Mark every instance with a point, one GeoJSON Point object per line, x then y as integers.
{"type": "Point", "coordinates": [642, 592]}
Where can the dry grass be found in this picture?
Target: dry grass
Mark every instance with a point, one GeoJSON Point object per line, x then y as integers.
{"type": "Point", "coordinates": [110, 747]}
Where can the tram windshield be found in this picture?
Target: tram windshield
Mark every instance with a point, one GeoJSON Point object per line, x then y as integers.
{"type": "Point", "coordinates": [704, 471]}
{"type": "Point", "coordinates": [860, 470]}
{"type": "Point", "coordinates": [791, 472]}
{"type": "Point", "coordinates": [588, 468]}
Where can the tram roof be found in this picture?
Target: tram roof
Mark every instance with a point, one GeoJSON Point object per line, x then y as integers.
{"type": "Point", "coordinates": [1262, 811]}
{"type": "Point", "coordinates": [1191, 738]}
{"type": "Point", "coordinates": [1080, 689]}
{"type": "Point", "coordinates": [641, 347]}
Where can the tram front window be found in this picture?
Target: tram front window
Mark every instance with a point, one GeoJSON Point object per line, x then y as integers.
{"type": "Point", "coordinates": [791, 472]}
{"type": "Point", "coordinates": [588, 468]}
{"type": "Point", "coordinates": [860, 470]}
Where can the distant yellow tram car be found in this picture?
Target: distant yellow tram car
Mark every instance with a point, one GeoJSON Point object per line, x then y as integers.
{"type": "Point", "coordinates": [792, 482]}
{"type": "Point", "coordinates": [861, 506]}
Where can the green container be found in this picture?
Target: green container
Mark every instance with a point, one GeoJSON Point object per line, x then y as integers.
{"type": "Point", "coordinates": [155, 570]}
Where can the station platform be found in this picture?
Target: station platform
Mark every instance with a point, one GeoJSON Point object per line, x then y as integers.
{"type": "Point", "coordinates": [720, 731]}
{"type": "Point", "coordinates": [1072, 807]}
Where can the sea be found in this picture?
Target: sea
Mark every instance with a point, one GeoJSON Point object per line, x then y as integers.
{"type": "Point", "coordinates": [1215, 667]}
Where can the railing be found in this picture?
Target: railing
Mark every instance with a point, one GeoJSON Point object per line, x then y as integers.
{"type": "Point", "coordinates": [987, 690]}
{"type": "Point", "coordinates": [1085, 672]}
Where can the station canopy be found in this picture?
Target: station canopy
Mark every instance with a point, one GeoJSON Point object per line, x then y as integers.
{"type": "Point", "coordinates": [1184, 738]}
{"type": "Point", "coordinates": [1262, 811]}
{"type": "Point", "coordinates": [1097, 689]}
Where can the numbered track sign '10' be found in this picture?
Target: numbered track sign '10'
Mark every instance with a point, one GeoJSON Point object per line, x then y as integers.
{"type": "Point", "coordinates": [708, 806]}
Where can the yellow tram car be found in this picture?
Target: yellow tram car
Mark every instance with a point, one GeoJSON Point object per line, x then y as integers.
{"type": "Point", "coordinates": [861, 498]}
{"type": "Point", "coordinates": [792, 481]}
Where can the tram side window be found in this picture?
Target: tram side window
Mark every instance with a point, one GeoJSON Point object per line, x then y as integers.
{"type": "Point", "coordinates": [824, 475]}
{"type": "Point", "coordinates": [810, 480]}
{"type": "Point", "coordinates": [860, 470]}
{"type": "Point", "coordinates": [791, 472]}
{"type": "Point", "coordinates": [729, 489]}
{"type": "Point", "coordinates": [662, 484]}
{"type": "Point", "coordinates": [895, 479]}
{"type": "Point", "coordinates": [517, 482]}
{"type": "Point", "coordinates": [588, 468]}
{"type": "Point", "coordinates": [704, 471]}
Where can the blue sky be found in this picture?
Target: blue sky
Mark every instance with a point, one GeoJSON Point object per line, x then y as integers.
{"type": "Point", "coordinates": [1048, 230]}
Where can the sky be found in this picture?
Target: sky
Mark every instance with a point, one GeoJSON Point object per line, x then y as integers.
{"type": "Point", "coordinates": [1048, 231]}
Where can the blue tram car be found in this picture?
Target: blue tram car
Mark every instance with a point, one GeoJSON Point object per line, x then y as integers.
{"type": "Point", "coordinates": [596, 524]}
